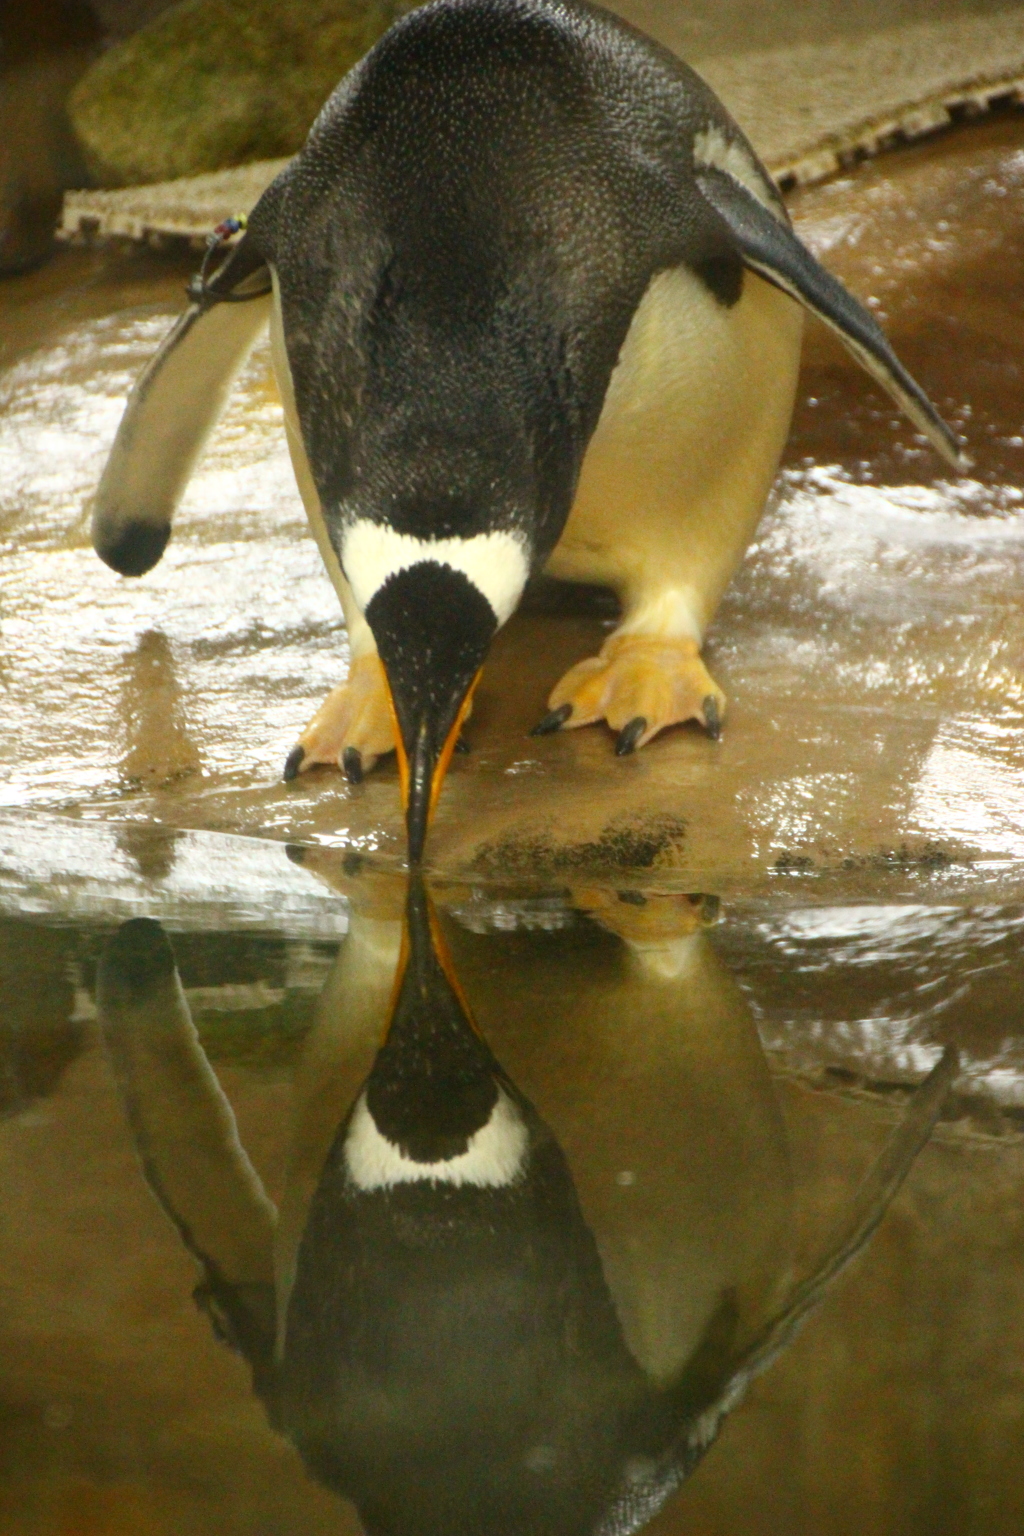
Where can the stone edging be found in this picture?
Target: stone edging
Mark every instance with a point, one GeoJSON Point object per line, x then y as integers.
{"type": "Point", "coordinates": [916, 121]}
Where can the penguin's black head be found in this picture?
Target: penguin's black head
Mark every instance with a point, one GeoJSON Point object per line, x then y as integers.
{"type": "Point", "coordinates": [433, 606]}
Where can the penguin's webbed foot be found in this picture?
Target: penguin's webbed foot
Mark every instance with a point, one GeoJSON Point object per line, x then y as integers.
{"type": "Point", "coordinates": [639, 684]}
{"type": "Point", "coordinates": [352, 727]}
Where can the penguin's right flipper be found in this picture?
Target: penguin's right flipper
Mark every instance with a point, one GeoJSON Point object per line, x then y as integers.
{"type": "Point", "coordinates": [171, 412]}
{"type": "Point", "coordinates": [770, 248]}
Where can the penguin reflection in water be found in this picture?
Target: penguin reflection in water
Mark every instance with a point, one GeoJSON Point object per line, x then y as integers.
{"type": "Point", "coordinates": [464, 1322]}
{"type": "Point", "coordinates": [535, 305]}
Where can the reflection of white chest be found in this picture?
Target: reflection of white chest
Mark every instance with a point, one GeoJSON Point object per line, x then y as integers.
{"type": "Point", "coordinates": [494, 1157]}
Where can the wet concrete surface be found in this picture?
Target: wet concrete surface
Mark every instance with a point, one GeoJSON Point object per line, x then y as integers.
{"type": "Point", "coordinates": [718, 1071]}
{"type": "Point", "coordinates": [870, 645]}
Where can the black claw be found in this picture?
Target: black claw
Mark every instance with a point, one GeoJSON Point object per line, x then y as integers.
{"type": "Point", "coordinates": [630, 735]}
{"type": "Point", "coordinates": [293, 762]}
{"type": "Point", "coordinates": [712, 719]}
{"type": "Point", "coordinates": [553, 721]}
{"type": "Point", "coordinates": [462, 746]}
{"type": "Point", "coordinates": [352, 764]}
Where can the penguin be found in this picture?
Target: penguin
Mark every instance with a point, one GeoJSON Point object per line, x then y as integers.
{"type": "Point", "coordinates": [535, 305]}
{"type": "Point", "coordinates": [439, 1323]}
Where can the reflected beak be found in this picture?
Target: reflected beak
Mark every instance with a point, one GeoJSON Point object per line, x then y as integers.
{"type": "Point", "coordinates": [425, 980]}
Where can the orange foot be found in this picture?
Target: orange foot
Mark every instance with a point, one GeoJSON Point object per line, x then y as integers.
{"type": "Point", "coordinates": [639, 684]}
{"type": "Point", "coordinates": [352, 727]}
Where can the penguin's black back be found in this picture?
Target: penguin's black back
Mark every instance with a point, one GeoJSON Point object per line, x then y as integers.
{"type": "Point", "coordinates": [461, 246]}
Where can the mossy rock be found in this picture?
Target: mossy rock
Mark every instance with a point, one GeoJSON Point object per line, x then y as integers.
{"type": "Point", "coordinates": [213, 83]}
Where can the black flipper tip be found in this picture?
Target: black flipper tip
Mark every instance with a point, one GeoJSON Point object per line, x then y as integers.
{"type": "Point", "coordinates": [553, 721]}
{"type": "Point", "coordinates": [630, 735]}
{"type": "Point", "coordinates": [293, 762]}
{"type": "Point", "coordinates": [134, 548]}
{"type": "Point", "coordinates": [352, 765]}
{"type": "Point", "coordinates": [712, 719]}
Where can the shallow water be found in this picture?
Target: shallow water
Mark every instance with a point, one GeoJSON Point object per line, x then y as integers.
{"type": "Point", "coordinates": [704, 1080]}
{"type": "Point", "coordinates": [712, 1084]}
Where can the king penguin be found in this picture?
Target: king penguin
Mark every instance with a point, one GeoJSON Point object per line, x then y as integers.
{"type": "Point", "coordinates": [535, 305]}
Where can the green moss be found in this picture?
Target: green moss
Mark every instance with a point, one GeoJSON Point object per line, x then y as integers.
{"type": "Point", "coordinates": [213, 83]}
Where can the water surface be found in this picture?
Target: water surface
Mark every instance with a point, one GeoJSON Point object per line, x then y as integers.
{"type": "Point", "coordinates": [712, 1082]}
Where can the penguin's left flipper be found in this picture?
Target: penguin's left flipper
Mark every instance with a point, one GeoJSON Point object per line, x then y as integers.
{"type": "Point", "coordinates": [171, 412]}
{"type": "Point", "coordinates": [640, 684]}
{"type": "Point", "coordinates": [770, 248]}
{"type": "Point", "coordinates": [353, 726]}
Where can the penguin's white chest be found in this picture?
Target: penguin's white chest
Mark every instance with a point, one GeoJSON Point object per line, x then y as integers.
{"type": "Point", "coordinates": [693, 423]}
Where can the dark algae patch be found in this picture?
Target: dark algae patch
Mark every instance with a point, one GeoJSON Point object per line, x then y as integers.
{"type": "Point", "coordinates": [923, 856]}
{"type": "Point", "coordinates": [627, 843]}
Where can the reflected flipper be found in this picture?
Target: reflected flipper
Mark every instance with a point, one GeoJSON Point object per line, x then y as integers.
{"type": "Point", "coordinates": [771, 249]}
{"type": "Point", "coordinates": [704, 1419]}
{"type": "Point", "coordinates": [183, 1125]}
{"type": "Point", "coordinates": [870, 1204]}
